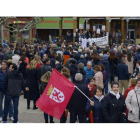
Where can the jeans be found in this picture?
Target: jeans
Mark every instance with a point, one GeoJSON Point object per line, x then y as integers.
{"type": "Point", "coordinates": [46, 117]}
{"type": "Point", "coordinates": [10, 110]}
{"type": "Point", "coordinates": [81, 117]}
{"type": "Point", "coordinates": [7, 102]}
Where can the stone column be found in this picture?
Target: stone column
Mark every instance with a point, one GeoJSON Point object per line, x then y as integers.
{"type": "Point", "coordinates": [122, 30]}
{"type": "Point", "coordinates": [127, 24]}
{"type": "Point", "coordinates": [74, 27]}
{"type": "Point", "coordinates": [60, 28]}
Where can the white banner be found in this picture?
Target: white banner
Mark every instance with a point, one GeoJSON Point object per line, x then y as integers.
{"type": "Point", "coordinates": [98, 41]}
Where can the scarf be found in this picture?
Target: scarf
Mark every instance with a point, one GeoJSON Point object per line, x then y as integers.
{"type": "Point", "coordinates": [90, 87]}
{"type": "Point", "coordinates": [137, 89]}
{"type": "Point", "coordinates": [99, 98]}
{"type": "Point", "coordinates": [117, 95]}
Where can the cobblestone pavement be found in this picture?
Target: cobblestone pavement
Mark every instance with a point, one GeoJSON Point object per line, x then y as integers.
{"type": "Point", "coordinates": [32, 116]}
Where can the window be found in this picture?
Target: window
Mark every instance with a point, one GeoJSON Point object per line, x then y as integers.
{"type": "Point", "coordinates": [131, 27]}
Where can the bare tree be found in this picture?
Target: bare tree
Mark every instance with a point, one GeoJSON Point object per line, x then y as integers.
{"type": "Point", "coordinates": [17, 27]}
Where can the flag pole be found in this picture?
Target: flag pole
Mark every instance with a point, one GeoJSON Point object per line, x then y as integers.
{"type": "Point", "coordinates": [82, 93]}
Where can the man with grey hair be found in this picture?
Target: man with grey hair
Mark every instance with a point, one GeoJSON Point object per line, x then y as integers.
{"type": "Point", "coordinates": [78, 101]}
{"type": "Point", "coordinates": [89, 71]}
{"type": "Point", "coordinates": [81, 70]}
{"type": "Point", "coordinates": [123, 75]}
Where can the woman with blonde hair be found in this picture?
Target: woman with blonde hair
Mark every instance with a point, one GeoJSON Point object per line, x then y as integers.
{"type": "Point", "coordinates": [37, 59]}
{"type": "Point", "coordinates": [44, 81]}
{"type": "Point", "coordinates": [32, 85]}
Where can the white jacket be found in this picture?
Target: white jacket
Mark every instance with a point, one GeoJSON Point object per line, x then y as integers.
{"type": "Point", "coordinates": [132, 105]}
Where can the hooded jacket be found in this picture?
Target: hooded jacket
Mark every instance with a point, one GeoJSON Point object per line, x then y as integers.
{"type": "Point", "coordinates": [14, 83]}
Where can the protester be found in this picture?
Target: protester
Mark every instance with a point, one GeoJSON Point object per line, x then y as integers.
{"type": "Point", "coordinates": [78, 101]}
{"type": "Point", "coordinates": [114, 109]}
{"type": "Point", "coordinates": [44, 81]}
{"type": "Point", "coordinates": [81, 70]}
{"type": "Point", "coordinates": [32, 85]}
{"type": "Point", "coordinates": [133, 104]}
{"type": "Point", "coordinates": [13, 84]}
{"type": "Point", "coordinates": [113, 62]}
{"type": "Point", "coordinates": [44, 68]}
{"type": "Point", "coordinates": [91, 85]}
{"type": "Point", "coordinates": [3, 72]}
{"type": "Point", "coordinates": [89, 71]}
{"type": "Point", "coordinates": [123, 75]}
{"type": "Point", "coordinates": [96, 105]}
{"type": "Point", "coordinates": [98, 77]}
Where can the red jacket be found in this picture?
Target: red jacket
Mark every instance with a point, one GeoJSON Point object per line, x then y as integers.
{"type": "Point", "coordinates": [127, 90]}
{"type": "Point", "coordinates": [125, 94]}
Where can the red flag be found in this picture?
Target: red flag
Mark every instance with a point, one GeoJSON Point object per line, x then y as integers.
{"type": "Point", "coordinates": [56, 95]}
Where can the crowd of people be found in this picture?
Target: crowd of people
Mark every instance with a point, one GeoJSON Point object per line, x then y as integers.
{"type": "Point", "coordinates": [26, 69]}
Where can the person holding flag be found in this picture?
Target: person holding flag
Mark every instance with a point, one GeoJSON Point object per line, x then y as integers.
{"type": "Point", "coordinates": [78, 102]}
{"type": "Point", "coordinates": [95, 107]}
{"type": "Point", "coordinates": [44, 81]}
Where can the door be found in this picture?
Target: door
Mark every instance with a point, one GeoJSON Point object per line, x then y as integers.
{"type": "Point", "coordinates": [131, 34]}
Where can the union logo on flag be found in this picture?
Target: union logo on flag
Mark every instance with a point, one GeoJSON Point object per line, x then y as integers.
{"type": "Point", "coordinates": [55, 94]}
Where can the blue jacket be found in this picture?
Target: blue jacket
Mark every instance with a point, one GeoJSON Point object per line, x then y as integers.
{"type": "Point", "coordinates": [2, 76]}
{"type": "Point", "coordinates": [136, 58]}
{"type": "Point", "coordinates": [122, 72]}
{"type": "Point", "coordinates": [66, 53]}
{"type": "Point", "coordinates": [89, 73]}
{"type": "Point", "coordinates": [97, 109]}
{"type": "Point", "coordinates": [106, 64]}
{"type": "Point", "coordinates": [41, 53]}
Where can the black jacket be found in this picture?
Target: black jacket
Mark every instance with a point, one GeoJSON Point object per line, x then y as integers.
{"type": "Point", "coordinates": [112, 109]}
{"type": "Point", "coordinates": [42, 70]}
{"type": "Point", "coordinates": [32, 84]}
{"type": "Point", "coordinates": [97, 109]}
{"type": "Point", "coordinates": [22, 68]}
{"type": "Point", "coordinates": [14, 83]}
{"type": "Point", "coordinates": [73, 70]}
{"type": "Point", "coordinates": [78, 101]}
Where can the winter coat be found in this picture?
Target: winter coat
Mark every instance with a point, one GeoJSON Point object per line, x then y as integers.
{"type": "Point", "coordinates": [97, 109]}
{"type": "Point", "coordinates": [78, 102]}
{"type": "Point", "coordinates": [113, 109]}
{"type": "Point", "coordinates": [130, 65]}
{"type": "Point", "coordinates": [106, 64]}
{"type": "Point", "coordinates": [99, 79]}
{"type": "Point", "coordinates": [2, 76]}
{"type": "Point", "coordinates": [89, 73]}
{"type": "Point", "coordinates": [126, 93]}
{"type": "Point", "coordinates": [132, 105]}
{"type": "Point", "coordinates": [42, 70]}
{"type": "Point", "coordinates": [32, 84]}
{"type": "Point", "coordinates": [113, 65]}
{"type": "Point", "coordinates": [73, 70]}
{"type": "Point", "coordinates": [14, 83]}
{"type": "Point", "coordinates": [22, 68]}
{"type": "Point", "coordinates": [122, 72]}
